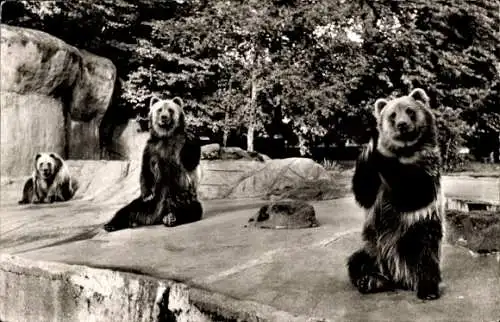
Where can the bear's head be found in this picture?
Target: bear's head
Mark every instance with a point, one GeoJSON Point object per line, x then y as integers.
{"type": "Point", "coordinates": [47, 165]}
{"type": "Point", "coordinates": [405, 124]}
{"type": "Point", "coordinates": [165, 116]}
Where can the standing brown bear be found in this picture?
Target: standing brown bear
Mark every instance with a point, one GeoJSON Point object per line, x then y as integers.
{"type": "Point", "coordinates": [169, 172]}
{"type": "Point", "coordinates": [397, 181]}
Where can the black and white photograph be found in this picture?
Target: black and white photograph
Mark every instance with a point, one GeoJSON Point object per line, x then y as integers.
{"type": "Point", "coordinates": [250, 160]}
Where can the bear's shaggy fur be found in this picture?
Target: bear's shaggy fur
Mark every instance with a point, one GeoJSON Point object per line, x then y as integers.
{"type": "Point", "coordinates": [397, 181]}
{"type": "Point", "coordinates": [50, 182]}
{"type": "Point", "coordinates": [169, 174]}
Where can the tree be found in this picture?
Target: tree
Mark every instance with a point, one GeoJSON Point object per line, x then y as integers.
{"type": "Point", "coordinates": [326, 61]}
{"type": "Point", "coordinates": [448, 48]}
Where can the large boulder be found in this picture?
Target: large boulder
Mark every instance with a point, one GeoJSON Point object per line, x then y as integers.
{"type": "Point", "coordinates": [127, 142]}
{"type": "Point", "coordinates": [91, 97]}
{"type": "Point", "coordinates": [30, 123]}
{"type": "Point", "coordinates": [53, 97]}
{"type": "Point", "coordinates": [255, 179]}
{"type": "Point", "coordinates": [210, 151]}
{"type": "Point", "coordinates": [215, 152]}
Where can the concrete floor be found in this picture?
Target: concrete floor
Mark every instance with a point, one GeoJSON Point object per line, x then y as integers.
{"type": "Point", "coordinates": [298, 271]}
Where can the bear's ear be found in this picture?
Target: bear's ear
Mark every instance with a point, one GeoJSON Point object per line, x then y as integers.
{"type": "Point", "coordinates": [150, 120]}
{"type": "Point", "coordinates": [37, 156]}
{"type": "Point", "coordinates": [154, 99]}
{"type": "Point", "coordinates": [57, 158]}
{"type": "Point", "coordinates": [182, 121]}
{"type": "Point", "coordinates": [379, 106]}
{"type": "Point", "coordinates": [419, 95]}
{"type": "Point", "coordinates": [177, 100]}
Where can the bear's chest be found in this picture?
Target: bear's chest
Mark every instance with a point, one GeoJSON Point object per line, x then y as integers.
{"type": "Point", "coordinates": [168, 149]}
{"type": "Point", "coordinates": [42, 185]}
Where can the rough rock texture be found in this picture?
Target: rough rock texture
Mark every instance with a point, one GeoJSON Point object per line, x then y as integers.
{"type": "Point", "coordinates": [78, 293]}
{"type": "Point", "coordinates": [127, 142]}
{"type": "Point", "coordinates": [220, 179]}
{"type": "Point", "coordinates": [30, 123]}
{"type": "Point", "coordinates": [324, 189]}
{"type": "Point", "coordinates": [36, 62]}
{"type": "Point", "coordinates": [59, 292]}
{"type": "Point", "coordinates": [52, 97]}
{"type": "Point", "coordinates": [91, 97]}
{"type": "Point", "coordinates": [252, 179]}
{"type": "Point", "coordinates": [477, 230]}
{"type": "Point", "coordinates": [287, 214]}
{"type": "Point", "coordinates": [215, 152]}
{"type": "Point", "coordinates": [210, 151]}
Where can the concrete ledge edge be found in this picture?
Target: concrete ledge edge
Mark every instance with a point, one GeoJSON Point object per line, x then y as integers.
{"type": "Point", "coordinates": [51, 291]}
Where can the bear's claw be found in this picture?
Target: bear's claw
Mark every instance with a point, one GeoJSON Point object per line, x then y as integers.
{"type": "Point", "coordinates": [169, 220]}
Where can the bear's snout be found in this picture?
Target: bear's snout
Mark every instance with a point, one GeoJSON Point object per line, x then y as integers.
{"type": "Point", "coordinates": [164, 117]}
{"type": "Point", "coordinates": [403, 126]}
{"type": "Point", "coordinates": [46, 171]}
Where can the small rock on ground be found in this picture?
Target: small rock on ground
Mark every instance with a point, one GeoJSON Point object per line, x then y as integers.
{"type": "Point", "coordinates": [287, 214]}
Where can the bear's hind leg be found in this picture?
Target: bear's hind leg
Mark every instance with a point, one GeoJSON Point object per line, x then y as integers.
{"type": "Point", "coordinates": [127, 216]}
{"type": "Point", "coordinates": [192, 212]}
{"type": "Point", "coordinates": [365, 274]}
{"type": "Point", "coordinates": [28, 192]}
{"type": "Point", "coordinates": [184, 214]}
{"type": "Point", "coordinates": [420, 249]}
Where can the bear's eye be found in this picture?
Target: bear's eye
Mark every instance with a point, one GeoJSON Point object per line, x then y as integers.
{"type": "Point", "coordinates": [160, 109]}
{"type": "Point", "coordinates": [411, 114]}
{"type": "Point", "coordinates": [171, 111]}
{"type": "Point", "coordinates": [392, 116]}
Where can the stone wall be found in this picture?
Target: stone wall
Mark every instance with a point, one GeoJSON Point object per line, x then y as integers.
{"type": "Point", "coordinates": [53, 98]}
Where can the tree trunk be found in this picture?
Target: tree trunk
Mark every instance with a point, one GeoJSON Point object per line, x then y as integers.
{"type": "Point", "coordinates": [225, 134]}
{"type": "Point", "coordinates": [496, 151]}
{"type": "Point", "coordinates": [250, 138]}
{"type": "Point", "coordinates": [228, 110]}
{"type": "Point", "coordinates": [253, 112]}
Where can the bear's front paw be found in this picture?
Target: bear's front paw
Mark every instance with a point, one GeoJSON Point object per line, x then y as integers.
{"type": "Point", "coordinates": [428, 291]}
{"type": "Point", "coordinates": [363, 284]}
{"type": "Point", "coordinates": [367, 151]}
{"type": "Point", "coordinates": [116, 225]}
{"type": "Point", "coordinates": [373, 283]}
{"type": "Point", "coordinates": [169, 220]}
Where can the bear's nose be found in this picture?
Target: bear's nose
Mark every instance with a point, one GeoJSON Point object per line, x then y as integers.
{"type": "Point", "coordinates": [164, 118]}
{"type": "Point", "coordinates": [402, 126]}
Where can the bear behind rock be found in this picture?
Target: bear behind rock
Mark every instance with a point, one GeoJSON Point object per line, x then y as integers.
{"type": "Point", "coordinates": [397, 181]}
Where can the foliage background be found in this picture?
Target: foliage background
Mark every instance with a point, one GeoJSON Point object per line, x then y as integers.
{"type": "Point", "coordinates": [306, 70]}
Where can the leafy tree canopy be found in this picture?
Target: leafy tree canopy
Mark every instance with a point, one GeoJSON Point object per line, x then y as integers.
{"type": "Point", "coordinates": [308, 69]}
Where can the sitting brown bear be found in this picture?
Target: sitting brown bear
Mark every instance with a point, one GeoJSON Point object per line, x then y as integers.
{"type": "Point", "coordinates": [170, 173]}
{"type": "Point", "coordinates": [50, 182]}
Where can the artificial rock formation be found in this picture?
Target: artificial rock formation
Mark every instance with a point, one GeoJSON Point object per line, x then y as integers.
{"type": "Point", "coordinates": [53, 98]}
